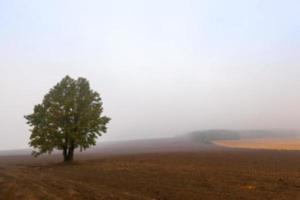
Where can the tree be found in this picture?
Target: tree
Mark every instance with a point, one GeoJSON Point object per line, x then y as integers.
{"type": "Point", "coordinates": [69, 117]}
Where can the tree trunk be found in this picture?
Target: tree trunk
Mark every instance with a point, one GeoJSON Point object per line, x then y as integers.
{"type": "Point", "coordinates": [65, 154]}
{"type": "Point", "coordinates": [68, 154]}
{"type": "Point", "coordinates": [71, 154]}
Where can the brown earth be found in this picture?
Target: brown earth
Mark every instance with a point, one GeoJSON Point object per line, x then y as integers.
{"type": "Point", "coordinates": [207, 174]}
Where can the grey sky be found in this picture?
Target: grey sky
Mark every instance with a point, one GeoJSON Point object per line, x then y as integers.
{"type": "Point", "coordinates": [162, 67]}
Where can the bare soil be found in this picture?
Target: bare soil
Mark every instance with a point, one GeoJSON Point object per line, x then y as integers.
{"type": "Point", "coordinates": [207, 174]}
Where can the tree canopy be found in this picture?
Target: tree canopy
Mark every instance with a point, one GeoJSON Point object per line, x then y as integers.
{"type": "Point", "coordinates": [69, 117]}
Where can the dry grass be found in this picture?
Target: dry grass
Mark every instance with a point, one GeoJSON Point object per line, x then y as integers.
{"type": "Point", "coordinates": [266, 143]}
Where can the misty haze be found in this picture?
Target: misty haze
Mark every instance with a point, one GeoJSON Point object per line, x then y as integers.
{"type": "Point", "coordinates": [160, 100]}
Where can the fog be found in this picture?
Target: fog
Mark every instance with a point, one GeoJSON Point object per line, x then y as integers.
{"type": "Point", "coordinates": [162, 68]}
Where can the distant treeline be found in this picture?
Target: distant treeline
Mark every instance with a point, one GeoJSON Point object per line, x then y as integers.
{"type": "Point", "coordinates": [207, 136]}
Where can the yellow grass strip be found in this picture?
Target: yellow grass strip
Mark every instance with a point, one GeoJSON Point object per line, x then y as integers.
{"type": "Point", "coordinates": [266, 143]}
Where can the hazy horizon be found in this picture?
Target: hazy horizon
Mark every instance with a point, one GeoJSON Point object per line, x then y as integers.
{"type": "Point", "coordinates": [162, 68]}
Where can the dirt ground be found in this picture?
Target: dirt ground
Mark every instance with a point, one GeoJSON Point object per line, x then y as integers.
{"type": "Point", "coordinates": [211, 174]}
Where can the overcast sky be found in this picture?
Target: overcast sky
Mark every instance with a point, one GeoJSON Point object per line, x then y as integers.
{"type": "Point", "coordinates": [162, 67]}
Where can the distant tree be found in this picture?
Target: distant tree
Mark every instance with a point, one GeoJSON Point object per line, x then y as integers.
{"type": "Point", "coordinates": [68, 118]}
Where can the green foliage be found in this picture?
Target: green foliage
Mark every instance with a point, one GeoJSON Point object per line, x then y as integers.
{"type": "Point", "coordinates": [68, 118]}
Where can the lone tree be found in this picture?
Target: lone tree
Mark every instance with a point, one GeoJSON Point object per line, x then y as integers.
{"type": "Point", "coordinates": [68, 118]}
